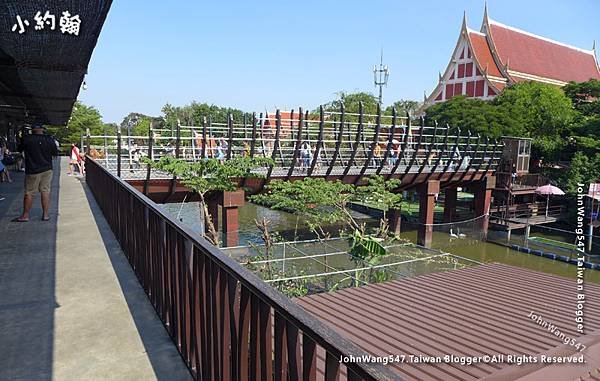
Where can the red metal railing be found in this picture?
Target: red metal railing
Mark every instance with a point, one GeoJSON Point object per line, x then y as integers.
{"type": "Point", "coordinates": [225, 321]}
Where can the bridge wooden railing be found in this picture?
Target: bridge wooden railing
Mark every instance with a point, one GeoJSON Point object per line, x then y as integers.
{"type": "Point", "coordinates": [322, 144]}
{"type": "Point", "coordinates": [225, 321]}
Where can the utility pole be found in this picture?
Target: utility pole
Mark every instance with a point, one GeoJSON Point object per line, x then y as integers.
{"type": "Point", "coordinates": [381, 74]}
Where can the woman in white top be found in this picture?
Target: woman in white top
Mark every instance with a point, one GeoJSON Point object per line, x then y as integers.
{"type": "Point", "coordinates": [75, 160]}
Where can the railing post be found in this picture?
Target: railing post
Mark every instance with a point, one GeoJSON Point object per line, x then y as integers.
{"type": "Point", "coordinates": [150, 157]}
{"type": "Point", "coordinates": [178, 139]}
{"type": "Point", "coordinates": [87, 140]}
{"type": "Point", "coordinates": [119, 150]}
{"type": "Point", "coordinates": [204, 139]}
{"type": "Point", "coordinates": [229, 135]}
{"type": "Point", "coordinates": [105, 147]}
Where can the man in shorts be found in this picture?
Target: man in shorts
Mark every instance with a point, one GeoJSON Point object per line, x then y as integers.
{"type": "Point", "coordinates": [39, 149]}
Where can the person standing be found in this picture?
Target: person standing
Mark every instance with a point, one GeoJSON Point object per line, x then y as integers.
{"type": "Point", "coordinates": [39, 149]}
{"type": "Point", "coordinates": [75, 160]}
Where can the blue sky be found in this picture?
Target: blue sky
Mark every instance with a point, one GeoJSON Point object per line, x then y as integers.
{"type": "Point", "coordinates": [267, 54]}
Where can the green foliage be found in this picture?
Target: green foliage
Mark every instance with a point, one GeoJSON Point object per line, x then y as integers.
{"type": "Point", "coordinates": [475, 115]}
{"type": "Point", "coordinates": [351, 102]}
{"type": "Point", "coordinates": [139, 124]}
{"type": "Point", "coordinates": [320, 201]}
{"type": "Point", "coordinates": [583, 170]}
{"type": "Point", "coordinates": [541, 110]}
{"type": "Point", "coordinates": [324, 202]}
{"type": "Point", "coordinates": [585, 96]}
{"type": "Point", "coordinates": [194, 113]}
{"type": "Point", "coordinates": [209, 174]}
{"type": "Point", "coordinates": [82, 118]}
{"type": "Point", "coordinates": [529, 109]}
{"type": "Point", "coordinates": [379, 193]}
{"type": "Point", "coordinates": [402, 107]}
{"type": "Point", "coordinates": [366, 248]}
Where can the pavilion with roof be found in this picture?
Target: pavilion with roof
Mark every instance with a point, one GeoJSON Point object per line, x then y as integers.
{"type": "Point", "coordinates": [485, 62]}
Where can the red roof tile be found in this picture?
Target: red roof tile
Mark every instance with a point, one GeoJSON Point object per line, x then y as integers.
{"type": "Point", "coordinates": [483, 54]}
{"type": "Point", "coordinates": [530, 54]}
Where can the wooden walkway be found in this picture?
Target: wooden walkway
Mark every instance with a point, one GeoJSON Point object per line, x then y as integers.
{"type": "Point", "coordinates": [70, 305]}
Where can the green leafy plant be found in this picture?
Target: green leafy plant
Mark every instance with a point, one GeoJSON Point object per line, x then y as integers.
{"type": "Point", "coordinates": [209, 175]}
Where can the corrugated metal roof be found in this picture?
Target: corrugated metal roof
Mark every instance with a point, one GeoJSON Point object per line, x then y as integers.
{"type": "Point", "coordinates": [469, 312]}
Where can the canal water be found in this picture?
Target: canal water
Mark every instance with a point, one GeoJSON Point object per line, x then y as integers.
{"type": "Point", "coordinates": [293, 228]}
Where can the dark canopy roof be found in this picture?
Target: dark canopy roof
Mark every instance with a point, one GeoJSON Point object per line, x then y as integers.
{"type": "Point", "coordinates": [41, 70]}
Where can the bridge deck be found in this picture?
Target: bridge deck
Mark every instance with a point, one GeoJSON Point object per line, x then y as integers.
{"type": "Point", "coordinates": [336, 145]}
{"type": "Point", "coordinates": [70, 305]}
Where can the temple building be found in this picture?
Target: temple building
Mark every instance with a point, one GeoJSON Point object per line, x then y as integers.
{"type": "Point", "coordinates": [484, 63]}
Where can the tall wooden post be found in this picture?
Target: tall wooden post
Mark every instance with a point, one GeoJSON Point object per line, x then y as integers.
{"type": "Point", "coordinates": [394, 220]}
{"type": "Point", "coordinates": [482, 197]}
{"type": "Point", "coordinates": [450, 197]}
{"type": "Point", "coordinates": [427, 193]}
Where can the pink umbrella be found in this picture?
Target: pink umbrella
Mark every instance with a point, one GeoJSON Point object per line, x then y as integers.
{"type": "Point", "coordinates": [549, 190]}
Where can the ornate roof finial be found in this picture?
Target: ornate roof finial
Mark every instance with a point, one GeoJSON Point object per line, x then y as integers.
{"type": "Point", "coordinates": [464, 21]}
{"type": "Point", "coordinates": [424, 96]}
{"type": "Point", "coordinates": [485, 11]}
{"type": "Point", "coordinates": [594, 46]}
{"type": "Point", "coordinates": [485, 21]}
{"type": "Point", "coordinates": [440, 75]}
{"type": "Point", "coordinates": [507, 64]}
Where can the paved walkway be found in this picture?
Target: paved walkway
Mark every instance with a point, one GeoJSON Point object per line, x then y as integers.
{"type": "Point", "coordinates": [70, 305]}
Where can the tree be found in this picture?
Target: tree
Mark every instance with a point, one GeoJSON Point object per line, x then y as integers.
{"type": "Point", "coordinates": [323, 202]}
{"type": "Point", "coordinates": [351, 102]}
{"type": "Point", "coordinates": [540, 109]}
{"type": "Point", "coordinates": [585, 132]}
{"type": "Point", "coordinates": [403, 106]}
{"type": "Point", "coordinates": [585, 96]}
{"type": "Point", "coordinates": [139, 124]}
{"type": "Point", "coordinates": [83, 117]}
{"type": "Point", "coordinates": [475, 115]}
{"type": "Point", "coordinates": [209, 175]}
{"type": "Point", "coordinates": [528, 109]}
{"type": "Point", "coordinates": [583, 170]}
{"type": "Point", "coordinates": [194, 114]}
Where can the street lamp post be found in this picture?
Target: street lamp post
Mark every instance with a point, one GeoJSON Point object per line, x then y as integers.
{"type": "Point", "coordinates": [381, 74]}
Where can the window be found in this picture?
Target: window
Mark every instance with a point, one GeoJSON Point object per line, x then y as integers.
{"type": "Point", "coordinates": [523, 154]}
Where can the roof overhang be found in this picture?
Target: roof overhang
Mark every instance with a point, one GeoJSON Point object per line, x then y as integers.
{"type": "Point", "coordinates": [41, 70]}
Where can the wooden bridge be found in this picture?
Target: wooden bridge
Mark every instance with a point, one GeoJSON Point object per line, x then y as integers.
{"type": "Point", "coordinates": [335, 145]}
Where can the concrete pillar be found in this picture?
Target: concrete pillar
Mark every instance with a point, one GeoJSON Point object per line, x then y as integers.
{"type": "Point", "coordinates": [427, 194]}
{"type": "Point", "coordinates": [231, 227]}
{"type": "Point", "coordinates": [482, 198]}
{"type": "Point", "coordinates": [230, 201]}
{"type": "Point", "coordinates": [394, 220]}
{"type": "Point", "coordinates": [450, 196]}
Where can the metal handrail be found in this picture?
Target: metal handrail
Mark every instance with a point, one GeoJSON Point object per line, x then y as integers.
{"type": "Point", "coordinates": [184, 276]}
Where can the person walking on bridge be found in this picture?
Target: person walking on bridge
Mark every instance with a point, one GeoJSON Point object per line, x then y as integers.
{"type": "Point", "coordinates": [39, 149]}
